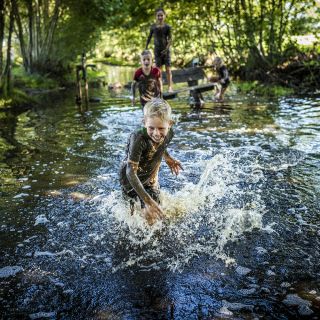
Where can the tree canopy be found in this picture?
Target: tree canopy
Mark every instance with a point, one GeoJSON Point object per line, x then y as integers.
{"type": "Point", "coordinates": [245, 32]}
{"type": "Point", "coordinates": [251, 35]}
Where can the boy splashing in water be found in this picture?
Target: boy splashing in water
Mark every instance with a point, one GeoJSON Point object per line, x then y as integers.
{"type": "Point", "coordinates": [162, 42]}
{"type": "Point", "coordinates": [148, 79]}
{"type": "Point", "coordinates": [145, 150]}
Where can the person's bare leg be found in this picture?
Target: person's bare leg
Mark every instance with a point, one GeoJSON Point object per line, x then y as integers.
{"type": "Point", "coordinates": [169, 78]}
{"type": "Point", "coordinates": [221, 96]}
{"type": "Point", "coordinates": [217, 93]}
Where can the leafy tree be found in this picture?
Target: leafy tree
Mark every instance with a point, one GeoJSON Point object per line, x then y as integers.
{"type": "Point", "coordinates": [251, 35]}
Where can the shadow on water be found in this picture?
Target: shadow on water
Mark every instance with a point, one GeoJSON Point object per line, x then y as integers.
{"type": "Point", "coordinates": [241, 235]}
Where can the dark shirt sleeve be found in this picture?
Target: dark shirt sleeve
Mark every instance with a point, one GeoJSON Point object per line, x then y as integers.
{"type": "Point", "coordinates": [136, 75]}
{"type": "Point", "coordinates": [136, 147]}
{"type": "Point", "coordinates": [224, 75]}
{"type": "Point", "coordinates": [156, 73]}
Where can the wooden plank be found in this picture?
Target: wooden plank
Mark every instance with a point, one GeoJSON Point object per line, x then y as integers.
{"type": "Point", "coordinates": [195, 89]}
{"type": "Point", "coordinates": [169, 95]}
{"type": "Point", "coordinates": [184, 75]}
{"type": "Point", "coordinates": [203, 87]}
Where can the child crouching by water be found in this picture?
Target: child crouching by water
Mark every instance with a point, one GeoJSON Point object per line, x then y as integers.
{"type": "Point", "coordinates": [222, 78]}
{"type": "Point", "coordinates": [145, 150]}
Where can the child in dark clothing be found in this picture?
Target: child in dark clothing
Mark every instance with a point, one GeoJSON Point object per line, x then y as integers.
{"type": "Point", "coordinates": [162, 42]}
{"type": "Point", "coordinates": [145, 150]}
{"type": "Point", "coordinates": [148, 79]}
{"type": "Point", "coordinates": [222, 79]}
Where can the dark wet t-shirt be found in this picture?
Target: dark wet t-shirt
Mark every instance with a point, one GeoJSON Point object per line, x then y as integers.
{"type": "Point", "coordinates": [223, 74]}
{"type": "Point", "coordinates": [161, 36]}
{"type": "Point", "coordinates": [149, 85]}
{"type": "Point", "coordinates": [140, 149]}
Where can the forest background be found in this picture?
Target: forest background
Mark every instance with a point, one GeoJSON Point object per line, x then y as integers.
{"type": "Point", "coordinates": [271, 41]}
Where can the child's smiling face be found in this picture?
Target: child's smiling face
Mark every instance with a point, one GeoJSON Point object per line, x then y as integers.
{"type": "Point", "coordinates": [146, 61]}
{"type": "Point", "coordinates": [157, 128]}
{"type": "Point", "coordinates": [160, 17]}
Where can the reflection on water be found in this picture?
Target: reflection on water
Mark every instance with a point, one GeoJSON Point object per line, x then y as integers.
{"type": "Point", "coordinates": [241, 233]}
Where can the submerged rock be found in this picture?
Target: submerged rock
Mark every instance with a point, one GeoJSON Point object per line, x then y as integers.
{"type": "Point", "coordinates": [270, 273]}
{"type": "Point", "coordinates": [40, 315]}
{"type": "Point", "coordinates": [242, 270]}
{"type": "Point", "coordinates": [247, 291]}
{"type": "Point", "coordinates": [10, 271]}
{"type": "Point", "coordinates": [41, 219]}
{"type": "Point", "coordinates": [225, 311]}
{"type": "Point", "coordinates": [261, 250]}
{"type": "Point", "coordinates": [236, 306]}
{"type": "Point", "coordinates": [303, 305]}
{"type": "Point", "coordinates": [285, 285]}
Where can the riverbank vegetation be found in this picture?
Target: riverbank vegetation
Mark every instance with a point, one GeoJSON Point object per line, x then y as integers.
{"type": "Point", "coordinates": [275, 42]}
{"type": "Point", "coordinates": [272, 41]}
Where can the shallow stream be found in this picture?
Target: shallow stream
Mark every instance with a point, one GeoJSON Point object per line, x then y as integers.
{"type": "Point", "coordinates": [241, 234]}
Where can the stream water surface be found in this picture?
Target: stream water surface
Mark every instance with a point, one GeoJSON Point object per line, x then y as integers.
{"type": "Point", "coordinates": [241, 235]}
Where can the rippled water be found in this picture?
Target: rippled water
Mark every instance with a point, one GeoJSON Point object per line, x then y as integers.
{"type": "Point", "coordinates": [241, 235]}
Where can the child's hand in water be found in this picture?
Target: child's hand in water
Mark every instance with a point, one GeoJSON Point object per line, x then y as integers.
{"type": "Point", "coordinates": [174, 165]}
{"type": "Point", "coordinates": [153, 212]}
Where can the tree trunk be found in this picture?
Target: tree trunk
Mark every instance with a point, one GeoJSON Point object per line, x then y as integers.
{"type": "Point", "coordinates": [2, 23]}
{"type": "Point", "coordinates": [262, 18]}
{"type": "Point", "coordinates": [51, 29]}
{"type": "Point", "coordinates": [23, 49]}
{"type": "Point", "coordinates": [7, 81]}
{"type": "Point", "coordinates": [30, 23]}
{"type": "Point", "coordinates": [271, 44]}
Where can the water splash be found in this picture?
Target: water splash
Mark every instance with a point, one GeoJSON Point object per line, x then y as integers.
{"type": "Point", "coordinates": [201, 217]}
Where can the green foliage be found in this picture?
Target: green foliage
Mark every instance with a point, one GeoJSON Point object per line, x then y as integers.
{"type": "Point", "coordinates": [252, 36]}
{"type": "Point", "coordinates": [17, 99]}
{"type": "Point", "coordinates": [37, 81]}
{"type": "Point", "coordinates": [247, 33]}
{"type": "Point", "coordinates": [258, 88]}
{"type": "Point", "coordinates": [5, 103]}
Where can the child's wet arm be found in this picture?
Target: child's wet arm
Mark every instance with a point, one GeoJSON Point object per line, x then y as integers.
{"type": "Point", "coordinates": [160, 86]}
{"type": "Point", "coordinates": [174, 165]}
{"type": "Point", "coordinates": [166, 155]}
{"type": "Point", "coordinates": [169, 39]}
{"type": "Point", "coordinates": [131, 172]}
{"type": "Point", "coordinates": [169, 43]}
{"type": "Point", "coordinates": [149, 38]}
{"type": "Point", "coordinates": [133, 88]}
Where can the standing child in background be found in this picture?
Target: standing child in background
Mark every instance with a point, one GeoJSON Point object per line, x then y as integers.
{"type": "Point", "coordinates": [145, 150]}
{"type": "Point", "coordinates": [222, 79]}
{"type": "Point", "coordinates": [148, 79]}
{"type": "Point", "coordinates": [162, 41]}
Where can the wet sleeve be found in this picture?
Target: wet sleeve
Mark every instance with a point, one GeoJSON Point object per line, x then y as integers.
{"type": "Point", "coordinates": [225, 74]}
{"type": "Point", "coordinates": [156, 73]}
{"type": "Point", "coordinates": [136, 76]}
{"type": "Point", "coordinates": [136, 147]}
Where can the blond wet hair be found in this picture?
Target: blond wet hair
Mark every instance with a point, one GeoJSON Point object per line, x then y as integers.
{"type": "Point", "coordinates": [146, 52]}
{"type": "Point", "coordinates": [159, 108]}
